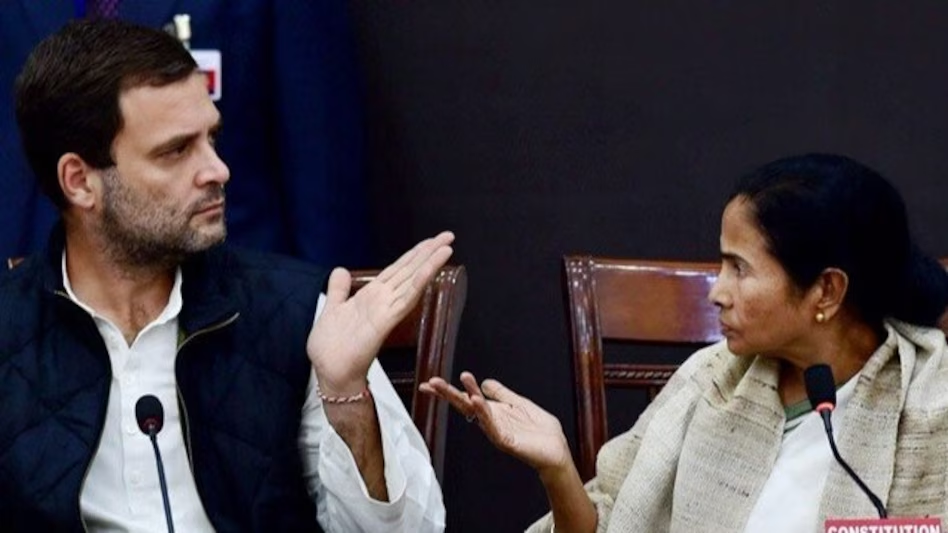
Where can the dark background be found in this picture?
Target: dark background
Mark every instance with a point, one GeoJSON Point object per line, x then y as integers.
{"type": "Point", "coordinates": [536, 129]}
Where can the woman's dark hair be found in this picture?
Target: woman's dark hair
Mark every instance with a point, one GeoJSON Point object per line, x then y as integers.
{"type": "Point", "coordinates": [67, 95]}
{"type": "Point", "coordinates": [821, 210]}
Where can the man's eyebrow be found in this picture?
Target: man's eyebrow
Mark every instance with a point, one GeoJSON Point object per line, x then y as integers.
{"type": "Point", "coordinates": [172, 143]}
{"type": "Point", "coordinates": [182, 139]}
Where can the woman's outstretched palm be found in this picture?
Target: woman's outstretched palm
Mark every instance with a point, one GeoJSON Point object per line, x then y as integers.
{"type": "Point", "coordinates": [513, 423]}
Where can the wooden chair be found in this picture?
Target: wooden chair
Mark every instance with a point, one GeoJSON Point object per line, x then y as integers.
{"type": "Point", "coordinates": [431, 330]}
{"type": "Point", "coordinates": [629, 301]}
{"type": "Point", "coordinates": [943, 322]}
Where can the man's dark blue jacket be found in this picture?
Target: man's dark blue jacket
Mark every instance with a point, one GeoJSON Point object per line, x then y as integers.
{"type": "Point", "coordinates": [241, 369]}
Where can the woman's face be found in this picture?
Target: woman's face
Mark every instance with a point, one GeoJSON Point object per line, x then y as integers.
{"type": "Point", "coordinates": [762, 312]}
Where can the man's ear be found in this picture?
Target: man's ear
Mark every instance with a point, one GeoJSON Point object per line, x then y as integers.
{"type": "Point", "coordinates": [79, 182]}
{"type": "Point", "coordinates": [831, 287]}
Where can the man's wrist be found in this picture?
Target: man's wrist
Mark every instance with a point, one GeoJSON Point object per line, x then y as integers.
{"type": "Point", "coordinates": [341, 383]}
{"type": "Point", "coordinates": [360, 396]}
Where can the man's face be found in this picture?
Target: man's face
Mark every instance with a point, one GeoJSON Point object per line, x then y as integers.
{"type": "Point", "coordinates": [164, 199]}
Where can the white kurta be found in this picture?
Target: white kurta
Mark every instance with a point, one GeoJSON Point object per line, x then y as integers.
{"type": "Point", "coordinates": [121, 491]}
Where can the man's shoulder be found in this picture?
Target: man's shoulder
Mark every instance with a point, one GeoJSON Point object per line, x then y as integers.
{"type": "Point", "coordinates": [22, 293]}
{"type": "Point", "coordinates": [235, 260]}
{"type": "Point", "coordinates": [255, 278]}
{"type": "Point", "coordinates": [21, 279]}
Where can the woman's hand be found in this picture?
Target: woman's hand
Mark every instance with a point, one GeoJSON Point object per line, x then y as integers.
{"type": "Point", "coordinates": [513, 423]}
{"type": "Point", "coordinates": [519, 427]}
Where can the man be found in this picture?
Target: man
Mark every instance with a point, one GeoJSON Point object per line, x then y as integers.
{"type": "Point", "coordinates": [294, 137]}
{"type": "Point", "coordinates": [272, 421]}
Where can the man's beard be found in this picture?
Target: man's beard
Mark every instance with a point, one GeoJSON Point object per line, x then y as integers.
{"type": "Point", "coordinates": [142, 232]}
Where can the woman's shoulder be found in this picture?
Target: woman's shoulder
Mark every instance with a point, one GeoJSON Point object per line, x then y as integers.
{"type": "Point", "coordinates": [924, 356]}
{"type": "Point", "coordinates": [713, 362]}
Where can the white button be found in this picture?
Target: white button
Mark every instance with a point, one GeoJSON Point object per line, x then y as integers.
{"type": "Point", "coordinates": [130, 429]}
{"type": "Point", "coordinates": [128, 380]}
{"type": "Point", "coordinates": [136, 478]}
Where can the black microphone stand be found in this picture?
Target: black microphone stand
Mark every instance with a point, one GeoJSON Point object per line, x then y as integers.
{"type": "Point", "coordinates": [880, 508]}
{"type": "Point", "coordinates": [153, 436]}
{"type": "Point", "coordinates": [151, 417]}
{"type": "Point", "coordinates": [821, 391]}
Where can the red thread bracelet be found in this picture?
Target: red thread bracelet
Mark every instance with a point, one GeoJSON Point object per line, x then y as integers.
{"type": "Point", "coordinates": [365, 394]}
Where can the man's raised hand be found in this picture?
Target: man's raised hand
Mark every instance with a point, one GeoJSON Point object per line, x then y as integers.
{"type": "Point", "coordinates": [351, 329]}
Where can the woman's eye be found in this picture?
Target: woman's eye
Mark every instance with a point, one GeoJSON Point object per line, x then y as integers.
{"type": "Point", "coordinates": [737, 267]}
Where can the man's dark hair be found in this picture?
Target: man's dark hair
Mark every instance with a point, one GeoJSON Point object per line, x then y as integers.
{"type": "Point", "coordinates": [824, 210]}
{"type": "Point", "coordinates": [67, 95]}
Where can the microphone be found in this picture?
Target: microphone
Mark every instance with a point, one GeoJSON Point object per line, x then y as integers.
{"type": "Point", "coordinates": [821, 390]}
{"type": "Point", "coordinates": [151, 418]}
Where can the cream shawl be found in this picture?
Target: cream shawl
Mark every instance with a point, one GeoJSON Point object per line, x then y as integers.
{"type": "Point", "coordinates": [699, 455]}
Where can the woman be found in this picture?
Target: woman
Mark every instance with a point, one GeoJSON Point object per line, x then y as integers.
{"type": "Point", "coordinates": [817, 267]}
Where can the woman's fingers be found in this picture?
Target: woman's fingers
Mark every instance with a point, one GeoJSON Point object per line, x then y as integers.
{"type": "Point", "coordinates": [428, 389]}
{"type": "Point", "coordinates": [470, 384]}
{"type": "Point", "coordinates": [444, 390]}
{"type": "Point", "coordinates": [478, 402]}
{"type": "Point", "coordinates": [484, 412]}
{"type": "Point", "coordinates": [496, 390]}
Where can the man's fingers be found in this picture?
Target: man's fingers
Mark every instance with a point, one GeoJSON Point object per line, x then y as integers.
{"type": "Point", "coordinates": [444, 238]}
{"type": "Point", "coordinates": [432, 254]}
{"type": "Point", "coordinates": [410, 287]}
{"type": "Point", "coordinates": [407, 265]}
{"type": "Point", "coordinates": [386, 274]}
{"type": "Point", "coordinates": [406, 258]}
{"type": "Point", "coordinates": [338, 287]}
{"type": "Point", "coordinates": [425, 272]}
{"type": "Point", "coordinates": [430, 247]}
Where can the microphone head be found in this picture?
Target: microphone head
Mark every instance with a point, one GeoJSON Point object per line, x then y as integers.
{"type": "Point", "coordinates": [150, 414]}
{"type": "Point", "coordinates": [820, 387]}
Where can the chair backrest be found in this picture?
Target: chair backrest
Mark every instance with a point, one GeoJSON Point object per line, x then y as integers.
{"type": "Point", "coordinates": [431, 329]}
{"type": "Point", "coordinates": [943, 323]}
{"type": "Point", "coordinates": [633, 301]}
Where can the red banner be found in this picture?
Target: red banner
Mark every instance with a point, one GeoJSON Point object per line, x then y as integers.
{"type": "Point", "coordinates": [879, 525]}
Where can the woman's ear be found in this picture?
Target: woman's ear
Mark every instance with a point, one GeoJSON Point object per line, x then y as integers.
{"type": "Point", "coordinates": [831, 286]}
{"type": "Point", "coordinates": [78, 181]}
